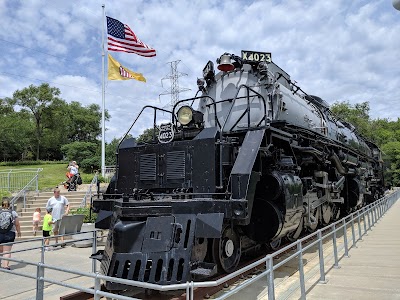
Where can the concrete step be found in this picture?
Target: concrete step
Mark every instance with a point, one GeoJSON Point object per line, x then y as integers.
{"type": "Point", "coordinates": [28, 214]}
{"type": "Point", "coordinates": [31, 208]}
{"type": "Point", "coordinates": [42, 204]}
{"type": "Point", "coordinates": [41, 198]}
{"type": "Point", "coordinates": [35, 200]}
{"type": "Point", "coordinates": [33, 203]}
{"type": "Point", "coordinates": [68, 194]}
{"type": "Point", "coordinates": [26, 222]}
{"type": "Point", "coordinates": [44, 200]}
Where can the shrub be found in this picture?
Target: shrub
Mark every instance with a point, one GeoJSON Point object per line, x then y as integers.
{"type": "Point", "coordinates": [90, 217]}
{"type": "Point", "coordinates": [32, 162]}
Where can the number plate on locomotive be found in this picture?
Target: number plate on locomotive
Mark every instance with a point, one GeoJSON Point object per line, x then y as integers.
{"type": "Point", "coordinates": [256, 56]}
{"type": "Point", "coordinates": [166, 133]}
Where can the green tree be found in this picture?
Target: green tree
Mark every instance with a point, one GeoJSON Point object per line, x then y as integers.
{"type": "Point", "coordinates": [67, 123]}
{"type": "Point", "coordinates": [84, 122]}
{"type": "Point", "coordinates": [35, 123]}
{"type": "Point", "coordinates": [111, 150]}
{"type": "Point", "coordinates": [384, 131]}
{"type": "Point", "coordinates": [391, 152]}
{"type": "Point", "coordinates": [37, 100]}
{"type": "Point", "coordinates": [357, 115]}
{"type": "Point", "coordinates": [16, 131]}
{"type": "Point", "coordinates": [86, 154]}
{"type": "Point", "coordinates": [5, 107]}
{"type": "Point", "coordinates": [148, 135]}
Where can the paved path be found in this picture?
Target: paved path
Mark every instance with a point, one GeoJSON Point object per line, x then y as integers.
{"type": "Point", "coordinates": [373, 269]}
{"type": "Point", "coordinates": [371, 272]}
{"type": "Point", "coordinates": [13, 287]}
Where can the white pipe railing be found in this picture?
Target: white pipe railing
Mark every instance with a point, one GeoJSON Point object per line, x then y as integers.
{"type": "Point", "coordinates": [22, 193]}
{"type": "Point", "coordinates": [369, 214]}
{"type": "Point", "coordinates": [15, 179]}
{"type": "Point", "coordinates": [89, 192]}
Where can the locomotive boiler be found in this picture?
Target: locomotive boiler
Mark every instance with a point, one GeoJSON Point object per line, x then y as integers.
{"type": "Point", "coordinates": [249, 161]}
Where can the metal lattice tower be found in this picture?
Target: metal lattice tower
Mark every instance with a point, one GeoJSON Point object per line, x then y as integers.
{"type": "Point", "coordinates": [173, 77]}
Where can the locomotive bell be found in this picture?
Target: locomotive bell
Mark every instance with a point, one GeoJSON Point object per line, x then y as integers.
{"type": "Point", "coordinates": [225, 63]}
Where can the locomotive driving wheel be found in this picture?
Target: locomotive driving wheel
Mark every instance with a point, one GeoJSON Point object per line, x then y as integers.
{"type": "Point", "coordinates": [312, 226]}
{"type": "Point", "coordinates": [335, 212]}
{"type": "Point", "coordinates": [226, 250]}
{"type": "Point", "coordinates": [294, 235]}
{"type": "Point", "coordinates": [326, 212]}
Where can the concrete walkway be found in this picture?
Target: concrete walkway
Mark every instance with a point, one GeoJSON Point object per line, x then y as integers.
{"type": "Point", "coordinates": [13, 287]}
{"type": "Point", "coordinates": [373, 269]}
{"type": "Point", "coordinates": [371, 272]}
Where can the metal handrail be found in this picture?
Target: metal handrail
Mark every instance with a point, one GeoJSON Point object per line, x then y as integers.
{"type": "Point", "coordinates": [23, 170]}
{"type": "Point", "coordinates": [26, 188]}
{"type": "Point", "coordinates": [14, 179]}
{"type": "Point", "coordinates": [140, 113]}
{"type": "Point", "coordinates": [213, 102]}
{"type": "Point", "coordinates": [88, 194]}
{"type": "Point", "coordinates": [370, 214]}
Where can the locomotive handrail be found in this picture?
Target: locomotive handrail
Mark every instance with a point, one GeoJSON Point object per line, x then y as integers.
{"type": "Point", "coordinates": [337, 143]}
{"type": "Point", "coordinates": [247, 108]}
{"type": "Point", "coordinates": [230, 100]}
{"type": "Point", "coordinates": [134, 122]}
{"type": "Point", "coordinates": [227, 100]}
{"type": "Point", "coordinates": [178, 194]}
{"type": "Point", "coordinates": [227, 117]}
{"type": "Point", "coordinates": [193, 99]}
{"type": "Point", "coordinates": [154, 124]}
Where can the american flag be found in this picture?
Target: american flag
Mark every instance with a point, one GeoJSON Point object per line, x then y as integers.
{"type": "Point", "coordinates": [124, 73]}
{"type": "Point", "coordinates": [122, 38]}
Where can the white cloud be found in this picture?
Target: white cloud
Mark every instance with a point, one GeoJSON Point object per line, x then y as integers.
{"type": "Point", "coordinates": [340, 50]}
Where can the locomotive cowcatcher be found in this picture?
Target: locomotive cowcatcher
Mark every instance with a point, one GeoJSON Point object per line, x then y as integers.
{"type": "Point", "coordinates": [249, 161]}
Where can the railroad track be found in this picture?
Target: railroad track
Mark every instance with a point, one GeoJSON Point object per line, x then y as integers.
{"type": "Point", "coordinates": [286, 277]}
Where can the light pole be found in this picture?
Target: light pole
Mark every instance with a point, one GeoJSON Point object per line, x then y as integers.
{"type": "Point", "coordinates": [396, 4]}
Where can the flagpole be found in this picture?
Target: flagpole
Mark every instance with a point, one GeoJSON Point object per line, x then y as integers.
{"type": "Point", "coordinates": [103, 131]}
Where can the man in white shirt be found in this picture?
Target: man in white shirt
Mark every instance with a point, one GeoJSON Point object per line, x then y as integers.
{"type": "Point", "coordinates": [60, 208]}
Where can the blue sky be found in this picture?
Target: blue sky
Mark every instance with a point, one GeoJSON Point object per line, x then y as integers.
{"type": "Point", "coordinates": [339, 50]}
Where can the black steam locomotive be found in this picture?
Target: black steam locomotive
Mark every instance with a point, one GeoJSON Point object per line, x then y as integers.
{"type": "Point", "coordinates": [250, 160]}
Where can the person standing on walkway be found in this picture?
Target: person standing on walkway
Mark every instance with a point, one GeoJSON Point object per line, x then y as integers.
{"type": "Point", "coordinates": [47, 227]}
{"type": "Point", "coordinates": [60, 208]}
{"type": "Point", "coordinates": [9, 224]}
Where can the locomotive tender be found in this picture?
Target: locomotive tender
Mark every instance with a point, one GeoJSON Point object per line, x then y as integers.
{"type": "Point", "coordinates": [249, 161]}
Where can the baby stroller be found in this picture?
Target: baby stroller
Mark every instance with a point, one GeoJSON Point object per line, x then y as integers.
{"type": "Point", "coordinates": [72, 182]}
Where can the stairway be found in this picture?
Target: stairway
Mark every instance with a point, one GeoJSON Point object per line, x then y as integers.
{"type": "Point", "coordinates": [40, 200]}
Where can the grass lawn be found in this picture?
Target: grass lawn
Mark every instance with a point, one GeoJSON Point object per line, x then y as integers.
{"type": "Point", "coordinates": [52, 174]}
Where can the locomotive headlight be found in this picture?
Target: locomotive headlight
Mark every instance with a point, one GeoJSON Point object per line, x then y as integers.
{"type": "Point", "coordinates": [185, 115]}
